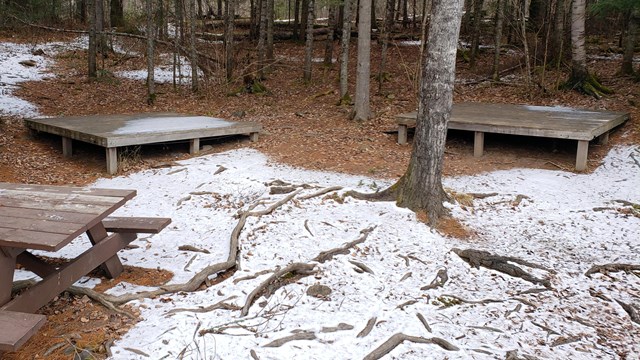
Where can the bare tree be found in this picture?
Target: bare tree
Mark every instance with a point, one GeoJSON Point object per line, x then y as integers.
{"type": "Point", "coordinates": [194, 52]}
{"type": "Point", "coordinates": [386, 30]}
{"type": "Point", "coordinates": [151, 91]}
{"type": "Point", "coordinates": [475, 34]}
{"type": "Point", "coordinates": [498, 39]}
{"type": "Point", "coordinates": [230, 9]}
{"type": "Point", "coordinates": [262, 40]}
{"type": "Point", "coordinates": [420, 188]}
{"type": "Point", "coordinates": [92, 56]}
{"type": "Point", "coordinates": [270, 19]}
{"type": "Point", "coordinates": [558, 34]}
{"type": "Point", "coordinates": [632, 34]}
{"type": "Point", "coordinates": [331, 25]}
{"type": "Point", "coordinates": [344, 53]}
{"type": "Point", "coordinates": [362, 110]}
{"type": "Point", "coordinates": [308, 53]}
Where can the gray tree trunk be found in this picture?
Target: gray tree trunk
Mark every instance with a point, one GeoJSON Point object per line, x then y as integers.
{"type": "Point", "coordinates": [344, 51]}
{"type": "Point", "coordinates": [151, 91]}
{"type": "Point", "coordinates": [308, 53]}
{"type": "Point", "coordinates": [558, 33]}
{"type": "Point", "coordinates": [230, 10]}
{"type": "Point", "coordinates": [579, 70]}
{"type": "Point", "coordinates": [525, 42]}
{"type": "Point", "coordinates": [92, 56]}
{"type": "Point", "coordinates": [632, 33]}
{"type": "Point", "coordinates": [386, 30]}
{"type": "Point", "coordinates": [328, 49]}
{"type": "Point", "coordinates": [262, 40]}
{"type": "Point", "coordinates": [362, 110]}
{"type": "Point", "coordinates": [475, 35]}
{"type": "Point", "coordinates": [194, 53]}
{"type": "Point", "coordinates": [498, 39]}
{"type": "Point", "coordinates": [420, 188]}
{"type": "Point", "coordinates": [270, 19]}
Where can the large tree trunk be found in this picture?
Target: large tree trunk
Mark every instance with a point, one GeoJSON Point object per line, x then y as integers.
{"type": "Point", "coordinates": [475, 36]}
{"type": "Point", "coordinates": [344, 53]}
{"type": "Point", "coordinates": [92, 53]}
{"type": "Point", "coordinates": [386, 29]}
{"type": "Point", "coordinates": [81, 10]}
{"type": "Point", "coordinates": [151, 91]}
{"type": "Point", "coordinates": [557, 52]}
{"type": "Point", "coordinates": [525, 41]}
{"type": "Point", "coordinates": [101, 38]}
{"type": "Point", "coordinates": [270, 19]}
{"type": "Point", "coordinates": [296, 20]}
{"type": "Point", "coordinates": [308, 53]}
{"type": "Point", "coordinates": [632, 33]}
{"type": "Point", "coordinates": [304, 16]}
{"type": "Point", "coordinates": [362, 110]}
{"type": "Point", "coordinates": [230, 10]}
{"type": "Point", "coordinates": [578, 53]}
{"type": "Point", "coordinates": [420, 188]}
{"type": "Point", "coordinates": [262, 40]}
{"type": "Point", "coordinates": [328, 49]}
{"type": "Point", "coordinates": [498, 39]}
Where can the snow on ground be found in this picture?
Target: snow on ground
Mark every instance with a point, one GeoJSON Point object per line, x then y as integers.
{"type": "Point", "coordinates": [563, 221]}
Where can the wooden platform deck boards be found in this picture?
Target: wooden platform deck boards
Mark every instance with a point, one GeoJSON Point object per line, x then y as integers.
{"type": "Point", "coordinates": [528, 120]}
{"type": "Point", "coordinates": [113, 131]}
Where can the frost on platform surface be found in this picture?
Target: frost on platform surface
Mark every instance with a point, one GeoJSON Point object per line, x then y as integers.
{"type": "Point", "coordinates": [562, 221]}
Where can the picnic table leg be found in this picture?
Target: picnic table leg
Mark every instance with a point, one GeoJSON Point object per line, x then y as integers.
{"type": "Point", "coordinates": [113, 267]}
{"type": "Point", "coordinates": [581, 155]}
{"type": "Point", "coordinates": [478, 143]}
{"type": "Point", "coordinates": [35, 265]}
{"type": "Point", "coordinates": [67, 146]}
{"type": "Point", "coordinates": [402, 134]}
{"type": "Point", "coordinates": [7, 268]}
{"type": "Point", "coordinates": [112, 160]}
{"type": "Point", "coordinates": [194, 146]}
{"type": "Point", "coordinates": [44, 291]}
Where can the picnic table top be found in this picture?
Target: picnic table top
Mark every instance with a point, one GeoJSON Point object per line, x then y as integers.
{"type": "Point", "coordinates": [45, 217]}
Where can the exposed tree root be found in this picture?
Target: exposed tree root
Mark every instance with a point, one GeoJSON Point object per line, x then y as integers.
{"type": "Point", "coordinates": [388, 194]}
{"type": "Point", "coordinates": [276, 281]}
{"type": "Point", "coordinates": [477, 258]}
{"type": "Point", "coordinates": [399, 338]}
{"type": "Point", "coordinates": [589, 85]}
{"type": "Point", "coordinates": [305, 335]}
{"type": "Point", "coordinates": [632, 310]}
{"type": "Point", "coordinates": [219, 305]}
{"type": "Point", "coordinates": [367, 329]}
{"type": "Point", "coordinates": [613, 267]}
{"type": "Point", "coordinates": [329, 254]}
{"type": "Point", "coordinates": [424, 322]}
{"type": "Point", "coordinates": [440, 279]}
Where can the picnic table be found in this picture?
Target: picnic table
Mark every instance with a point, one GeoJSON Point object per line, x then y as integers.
{"type": "Point", "coordinates": [38, 217]}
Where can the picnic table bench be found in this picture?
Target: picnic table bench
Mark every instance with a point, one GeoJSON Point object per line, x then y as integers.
{"type": "Point", "coordinates": [557, 122]}
{"type": "Point", "coordinates": [38, 217]}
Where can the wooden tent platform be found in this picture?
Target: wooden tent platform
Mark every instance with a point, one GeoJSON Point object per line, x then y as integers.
{"type": "Point", "coordinates": [543, 121]}
{"type": "Point", "coordinates": [113, 131]}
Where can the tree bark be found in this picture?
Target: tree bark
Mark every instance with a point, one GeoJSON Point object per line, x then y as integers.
{"type": "Point", "coordinates": [344, 52]}
{"type": "Point", "coordinates": [420, 188]}
{"type": "Point", "coordinates": [309, 43]}
{"type": "Point", "coordinates": [230, 10]}
{"type": "Point", "coordinates": [362, 110]}
{"type": "Point", "coordinates": [498, 39]}
{"type": "Point", "coordinates": [296, 20]}
{"type": "Point", "coordinates": [475, 37]}
{"type": "Point", "coordinates": [578, 53]}
{"type": "Point", "coordinates": [151, 92]}
{"type": "Point", "coordinates": [262, 40]}
{"type": "Point", "coordinates": [92, 53]}
{"type": "Point", "coordinates": [386, 30]}
{"type": "Point", "coordinates": [117, 13]}
{"type": "Point", "coordinates": [558, 34]}
{"type": "Point", "coordinates": [194, 53]}
{"type": "Point", "coordinates": [328, 49]}
{"type": "Point", "coordinates": [270, 19]}
{"type": "Point", "coordinates": [632, 33]}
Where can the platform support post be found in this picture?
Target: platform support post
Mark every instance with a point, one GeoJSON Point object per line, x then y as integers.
{"type": "Point", "coordinates": [194, 146]}
{"type": "Point", "coordinates": [253, 136]}
{"type": "Point", "coordinates": [478, 143]}
{"type": "Point", "coordinates": [581, 155]}
{"type": "Point", "coordinates": [67, 149]}
{"type": "Point", "coordinates": [603, 139]}
{"type": "Point", "coordinates": [402, 134]}
{"type": "Point", "coordinates": [112, 160]}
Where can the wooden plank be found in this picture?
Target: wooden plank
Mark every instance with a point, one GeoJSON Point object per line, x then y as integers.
{"type": "Point", "coordinates": [40, 294]}
{"type": "Point", "coordinates": [50, 215]}
{"type": "Point", "coordinates": [7, 269]}
{"type": "Point", "coordinates": [35, 265]}
{"type": "Point", "coordinates": [124, 193]}
{"type": "Point", "coordinates": [48, 226]}
{"type": "Point", "coordinates": [17, 327]}
{"type": "Point", "coordinates": [148, 225]}
{"type": "Point", "coordinates": [58, 206]}
{"type": "Point", "coordinates": [112, 266]}
{"type": "Point", "coordinates": [57, 197]}
{"type": "Point", "coordinates": [26, 239]}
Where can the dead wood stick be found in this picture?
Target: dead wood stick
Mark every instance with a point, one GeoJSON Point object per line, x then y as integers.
{"type": "Point", "coordinates": [250, 277]}
{"type": "Point", "coordinates": [439, 281]}
{"type": "Point", "coordinates": [406, 259]}
{"type": "Point", "coordinates": [189, 262]}
{"type": "Point", "coordinates": [273, 281]}
{"type": "Point", "coordinates": [367, 329]}
{"type": "Point", "coordinates": [406, 276]}
{"type": "Point", "coordinates": [424, 322]}
{"type": "Point", "coordinates": [329, 254]}
{"type": "Point", "coordinates": [632, 310]}
{"type": "Point", "coordinates": [254, 355]}
{"type": "Point", "coordinates": [481, 195]}
{"type": "Point", "coordinates": [192, 248]}
{"type": "Point", "coordinates": [477, 258]}
{"type": "Point", "coordinates": [399, 338]}
{"type": "Point", "coordinates": [410, 256]}
{"type": "Point", "coordinates": [545, 328]}
{"type": "Point", "coordinates": [306, 226]}
{"type": "Point", "coordinates": [305, 335]}
{"type": "Point", "coordinates": [275, 205]}
{"type": "Point", "coordinates": [321, 192]}
{"type": "Point", "coordinates": [483, 301]}
{"type": "Point", "coordinates": [222, 304]}
{"type": "Point", "coordinates": [613, 267]}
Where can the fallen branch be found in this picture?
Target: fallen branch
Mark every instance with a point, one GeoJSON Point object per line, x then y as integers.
{"type": "Point", "coordinates": [305, 335]}
{"type": "Point", "coordinates": [477, 258]}
{"type": "Point", "coordinates": [251, 277]}
{"type": "Point", "coordinates": [274, 282]}
{"type": "Point", "coordinates": [632, 310]}
{"type": "Point", "coordinates": [399, 338]}
{"type": "Point", "coordinates": [321, 192]}
{"type": "Point", "coordinates": [612, 268]}
{"type": "Point", "coordinates": [329, 254]}
{"type": "Point", "coordinates": [362, 266]}
{"type": "Point", "coordinates": [219, 305]}
{"type": "Point", "coordinates": [192, 248]}
{"type": "Point", "coordinates": [424, 322]}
